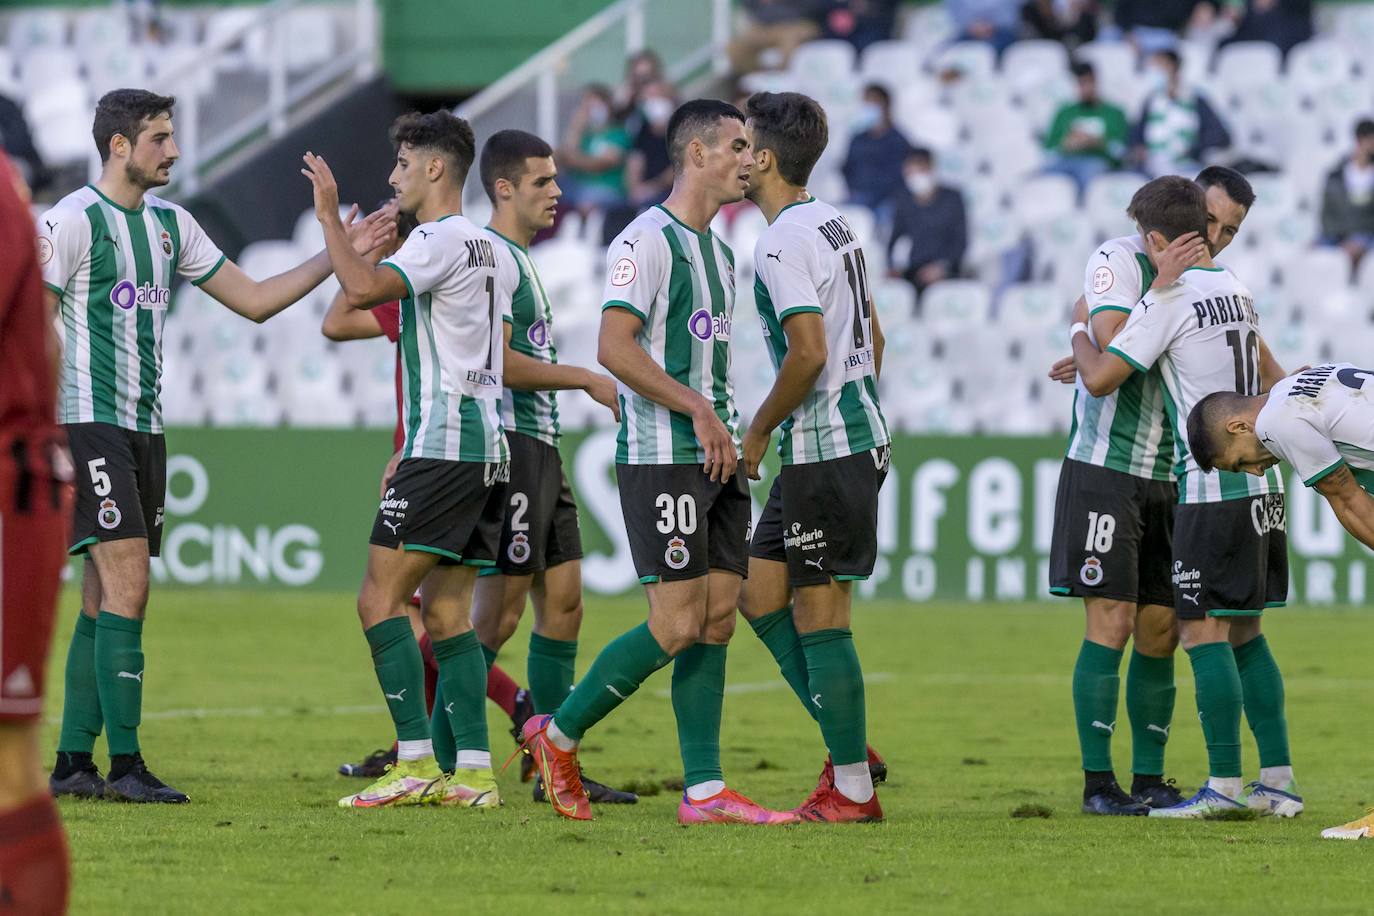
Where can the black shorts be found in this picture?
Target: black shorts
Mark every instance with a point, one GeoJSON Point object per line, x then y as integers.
{"type": "Point", "coordinates": [120, 478]}
{"type": "Point", "coordinates": [681, 524]}
{"type": "Point", "coordinates": [1112, 535]}
{"type": "Point", "coordinates": [821, 519]}
{"type": "Point", "coordinates": [450, 508]}
{"type": "Point", "coordinates": [540, 529]}
{"type": "Point", "coordinates": [1230, 557]}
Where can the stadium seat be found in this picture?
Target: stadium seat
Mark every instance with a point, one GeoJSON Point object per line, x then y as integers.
{"type": "Point", "coordinates": [64, 111]}
{"type": "Point", "coordinates": [310, 387]}
{"type": "Point", "coordinates": [926, 123]}
{"type": "Point", "coordinates": [861, 220]}
{"type": "Point", "coordinates": [1106, 200]}
{"type": "Point", "coordinates": [1045, 197]}
{"type": "Point", "coordinates": [1317, 284]}
{"type": "Point", "coordinates": [894, 64]}
{"type": "Point", "coordinates": [927, 28]}
{"type": "Point", "coordinates": [9, 75]}
{"type": "Point", "coordinates": [251, 50]}
{"type": "Point", "coordinates": [974, 59]}
{"type": "Point", "coordinates": [101, 30]}
{"type": "Point", "coordinates": [118, 67]}
{"type": "Point", "coordinates": [1364, 281]}
{"type": "Point", "coordinates": [1031, 306]}
{"type": "Point", "coordinates": [990, 235]}
{"type": "Point", "coordinates": [826, 59]}
{"type": "Point", "coordinates": [1196, 56]}
{"type": "Point", "coordinates": [35, 29]}
{"type": "Point", "coordinates": [1353, 26]}
{"type": "Point", "coordinates": [261, 260]}
{"type": "Point", "coordinates": [956, 302]}
{"type": "Point", "coordinates": [41, 68]}
{"type": "Point", "coordinates": [237, 391]}
{"type": "Point", "coordinates": [1317, 66]}
{"type": "Point", "coordinates": [1114, 63]}
{"type": "Point", "coordinates": [1032, 65]}
{"type": "Point", "coordinates": [1247, 63]}
{"type": "Point", "coordinates": [1017, 155]}
{"type": "Point", "coordinates": [895, 299]}
{"type": "Point", "coordinates": [1060, 248]}
{"type": "Point", "coordinates": [310, 36]}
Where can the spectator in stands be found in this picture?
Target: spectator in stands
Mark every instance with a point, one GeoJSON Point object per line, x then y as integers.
{"type": "Point", "coordinates": [873, 166]}
{"type": "Point", "coordinates": [859, 22]}
{"type": "Point", "coordinates": [1155, 25]}
{"type": "Point", "coordinates": [929, 232]}
{"type": "Point", "coordinates": [1177, 126]}
{"type": "Point", "coordinates": [648, 171]}
{"type": "Point", "coordinates": [777, 26]}
{"type": "Point", "coordinates": [592, 160]}
{"type": "Point", "coordinates": [16, 140]}
{"type": "Point", "coordinates": [1087, 137]}
{"type": "Point", "coordinates": [1348, 198]}
{"type": "Point", "coordinates": [996, 22]}
{"type": "Point", "coordinates": [1284, 23]}
{"type": "Point", "coordinates": [641, 70]}
{"type": "Point", "coordinates": [1070, 23]}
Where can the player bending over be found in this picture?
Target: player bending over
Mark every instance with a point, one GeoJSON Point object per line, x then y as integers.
{"type": "Point", "coordinates": [665, 335]}
{"type": "Point", "coordinates": [440, 516]}
{"type": "Point", "coordinates": [819, 530]}
{"type": "Point", "coordinates": [1229, 546]}
{"type": "Point", "coordinates": [1321, 421]}
{"type": "Point", "coordinates": [109, 252]}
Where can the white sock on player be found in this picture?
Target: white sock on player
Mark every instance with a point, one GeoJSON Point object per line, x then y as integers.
{"type": "Point", "coordinates": [560, 740]}
{"type": "Point", "coordinates": [474, 760]}
{"type": "Point", "coordinates": [1276, 777]}
{"type": "Point", "coordinates": [414, 750]}
{"type": "Point", "coordinates": [704, 790]}
{"type": "Point", "coordinates": [854, 781]}
{"type": "Point", "coordinates": [1226, 785]}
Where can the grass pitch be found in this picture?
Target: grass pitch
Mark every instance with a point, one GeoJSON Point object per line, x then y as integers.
{"type": "Point", "coordinates": [253, 699]}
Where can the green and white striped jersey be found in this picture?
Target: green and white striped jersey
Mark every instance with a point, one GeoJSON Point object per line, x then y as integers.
{"type": "Point", "coordinates": [1203, 334]}
{"type": "Point", "coordinates": [112, 270]}
{"type": "Point", "coordinates": [1126, 430]}
{"type": "Point", "coordinates": [808, 260]}
{"type": "Point", "coordinates": [458, 291]}
{"type": "Point", "coordinates": [533, 413]}
{"type": "Point", "coordinates": [681, 284]}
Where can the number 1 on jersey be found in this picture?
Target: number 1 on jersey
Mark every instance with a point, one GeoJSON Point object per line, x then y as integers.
{"type": "Point", "coordinates": [857, 274]}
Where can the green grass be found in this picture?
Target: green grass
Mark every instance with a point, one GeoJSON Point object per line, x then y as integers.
{"type": "Point", "coordinates": [970, 704]}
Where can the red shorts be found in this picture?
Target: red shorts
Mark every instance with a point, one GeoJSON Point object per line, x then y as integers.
{"type": "Point", "coordinates": [34, 510]}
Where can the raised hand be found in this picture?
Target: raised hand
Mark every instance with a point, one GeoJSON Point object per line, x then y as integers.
{"type": "Point", "coordinates": [1180, 254]}
{"type": "Point", "coordinates": [326, 189]}
{"type": "Point", "coordinates": [374, 234]}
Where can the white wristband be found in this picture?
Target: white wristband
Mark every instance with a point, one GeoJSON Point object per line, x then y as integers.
{"type": "Point", "coordinates": [1077, 328]}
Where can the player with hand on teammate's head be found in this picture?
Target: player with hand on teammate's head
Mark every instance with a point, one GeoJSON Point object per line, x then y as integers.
{"type": "Point", "coordinates": [440, 517]}
{"type": "Point", "coordinates": [665, 336]}
{"type": "Point", "coordinates": [540, 554]}
{"type": "Point", "coordinates": [818, 534]}
{"type": "Point", "coordinates": [1230, 558]}
{"type": "Point", "coordinates": [109, 253]}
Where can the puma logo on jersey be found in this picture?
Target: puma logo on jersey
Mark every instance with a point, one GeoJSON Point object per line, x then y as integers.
{"type": "Point", "coordinates": [398, 697]}
{"type": "Point", "coordinates": [1192, 598]}
{"type": "Point", "coordinates": [1105, 254]}
{"type": "Point", "coordinates": [424, 233]}
{"type": "Point", "coordinates": [52, 227]}
{"type": "Point", "coordinates": [686, 260]}
{"type": "Point", "coordinates": [630, 243]}
{"type": "Point", "coordinates": [395, 528]}
{"type": "Point", "coordinates": [1109, 729]}
{"type": "Point", "coordinates": [815, 563]}
{"type": "Point", "coordinates": [776, 256]}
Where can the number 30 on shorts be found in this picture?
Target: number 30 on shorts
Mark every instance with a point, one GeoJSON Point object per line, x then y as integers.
{"type": "Point", "coordinates": [678, 514]}
{"type": "Point", "coordinates": [1100, 530]}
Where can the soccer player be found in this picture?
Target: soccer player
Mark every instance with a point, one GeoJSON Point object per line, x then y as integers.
{"type": "Point", "coordinates": [1229, 548]}
{"type": "Point", "coordinates": [440, 516]}
{"type": "Point", "coordinates": [343, 322]}
{"type": "Point", "coordinates": [819, 530]}
{"type": "Point", "coordinates": [1114, 518]}
{"type": "Point", "coordinates": [34, 867]}
{"type": "Point", "coordinates": [540, 555]}
{"type": "Point", "coordinates": [109, 252]}
{"type": "Point", "coordinates": [665, 335]}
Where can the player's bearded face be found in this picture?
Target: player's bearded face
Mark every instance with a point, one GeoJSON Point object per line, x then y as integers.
{"type": "Point", "coordinates": [730, 161]}
{"type": "Point", "coordinates": [154, 152]}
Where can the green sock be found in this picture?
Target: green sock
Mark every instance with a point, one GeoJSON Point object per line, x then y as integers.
{"type": "Point", "coordinates": [1096, 685]}
{"type": "Point", "coordinates": [1262, 686]}
{"type": "Point", "coordinates": [441, 732]}
{"type": "Point", "coordinates": [119, 678]}
{"type": "Point", "coordinates": [778, 632]}
{"type": "Point", "coordinates": [616, 673]}
{"type": "Point", "coordinates": [1218, 705]}
{"type": "Point", "coordinates": [550, 668]}
{"type": "Point", "coordinates": [463, 677]}
{"type": "Point", "coordinates": [1150, 694]}
{"type": "Point", "coordinates": [81, 719]}
{"type": "Point", "coordinates": [488, 655]}
{"type": "Point", "coordinates": [401, 672]}
{"type": "Point", "coordinates": [698, 695]}
{"type": "Point", "coordinates": [836, 685]}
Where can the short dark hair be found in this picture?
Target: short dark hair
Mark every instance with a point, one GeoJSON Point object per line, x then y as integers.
{"type": "Point", "coordinates": [697, 118]}
{"type": "Point", "coordinates": [1204, 439]}
{"type": "Point", "coordinates": [1364, 129]}
{"type": "Point", "coordinates": [123, 111]}
{"type": "Point", "coordinates": [793, 126]}
{"type": "Point", "coordinates": [880, 91]}
{"type": "Point", "coordinates": [921, 154]}
{"type": "Point", "coordinates": [504, 155]}
{"type": "Point", "coordinates": [440, 132]}
{"type": "Point", "coordinates": [1171, 56]}
{"type": "Point", "coordinates": [1236, 186]}
{"type": "Point", "coordinates": [1170, 205]}
{"type": "Point", "coordinates": [1081, 68]}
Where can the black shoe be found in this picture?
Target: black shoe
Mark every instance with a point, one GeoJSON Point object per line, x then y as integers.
{"type": "Point", "coordinates": [371, 766]}
{"type": "Point", "coordinates": [1110, 799]}
{"type": "Point", "coordinates": [81, 780]}
{"type": "Point", "coordinates": [1161, 794]}
{"type": "Point", "coordinates": [524, 708]}
{"type": "Point", "coordinates": [597, 793]}
{"type": "Point", "coordinates": [138, 785]}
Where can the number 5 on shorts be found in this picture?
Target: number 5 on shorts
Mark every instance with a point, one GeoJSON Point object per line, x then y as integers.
{"type": "Point", "coordinates": [99, 478]}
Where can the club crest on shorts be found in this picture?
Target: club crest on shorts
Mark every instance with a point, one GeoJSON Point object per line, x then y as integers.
{"type": "Point", "coordinates": [519, 549]}
{"type": "Point", "coordinates": [677, 555]}
{"type": "Point", "coordinates": [109, 515]}
{"type": "Point", "coordinates": [1091, 572]}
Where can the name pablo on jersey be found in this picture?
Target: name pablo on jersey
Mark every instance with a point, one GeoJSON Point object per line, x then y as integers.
{"type": "Point", "coordinates": [1224, 310]}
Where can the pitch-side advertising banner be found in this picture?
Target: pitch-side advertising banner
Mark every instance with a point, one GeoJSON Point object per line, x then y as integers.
{"type": "Point", "coordinates": [961, 518]}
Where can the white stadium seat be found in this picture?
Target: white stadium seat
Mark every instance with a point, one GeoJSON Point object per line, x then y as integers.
{"type": "Point", "coordinates": [894, 64]}
{"type": "Point", "coordinates": [1106, 200]}
{"type": "Point", "coordinates": [36, 28]}
{"type": "Point", "coordinates": [97, 31]}
{"type": "Point", "coordinates": [1032, 65]}
{"type": "Point", "coordinates": [1031, 305]}
{"type": "Point", "coordinates": [1045, 197]}
{"type": "Point", "coordinates": [40, 68]}
{"type": "Point", "coordinates": [827, 59]}
{"type": "Point", "coordinates": [974, 59]}
{"type": "Point", "coordinates": [964, 302]}
{"type": "Point", "coordinates": [310, 36]}
{"type": "Point", "coordinates": [64, 111]}
{"type": "Point", "coordinates": [1247, 63]}
{"type": "Point", "coordinates": [1318, 65]}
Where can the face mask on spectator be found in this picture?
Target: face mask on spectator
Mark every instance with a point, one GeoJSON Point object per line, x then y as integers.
{"type": "Point", "coordinates": [1156, 80]}
{"type": "Point", "coordinates": [920, 183]}
{"type": "Point", "coordinates": [598, 114]}
{"type": "Point", "coordinates": [657, 110]}
{"type": "Point", "coordinates": [868, 116]}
